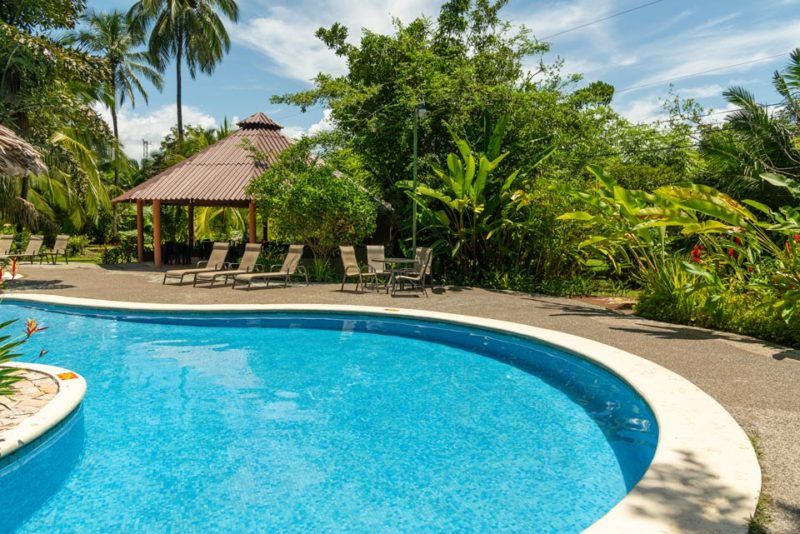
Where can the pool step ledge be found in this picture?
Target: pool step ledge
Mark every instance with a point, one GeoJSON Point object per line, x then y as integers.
{"type": "Point", "coordinates": [71, 389]}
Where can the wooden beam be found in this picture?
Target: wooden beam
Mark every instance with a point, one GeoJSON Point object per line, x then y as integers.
{"type": "Point", "coordinates": [191, 226]}
{"type": "Point", "coordinates": [251, 223]}
{"type": "Point", "coordinates": [157, 233]}
{"type": "Point", "coordinates": [140, 231]}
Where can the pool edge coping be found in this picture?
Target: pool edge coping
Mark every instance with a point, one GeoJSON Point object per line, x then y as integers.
{"type": "Point", "coordinates": [68, 397]}
{"type": "Point", "coordinates": [704, 475]}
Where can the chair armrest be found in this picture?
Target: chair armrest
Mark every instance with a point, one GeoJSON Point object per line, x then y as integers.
{"type": "Point", "coordinates": [275, 267]}
{"type": "Point", "coordinates": [232, 266]}
{"type": "Point", "coordinates": [202, 263]}
{"type": "Point", "coordinates": [258, 268]}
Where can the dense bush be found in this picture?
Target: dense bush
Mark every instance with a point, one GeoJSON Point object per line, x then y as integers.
{"type": "Point", "coordinates": [125, 252]}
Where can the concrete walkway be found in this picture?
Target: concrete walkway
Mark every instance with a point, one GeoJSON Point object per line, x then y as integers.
{"type": "Point", "coordinates": [758, 384]}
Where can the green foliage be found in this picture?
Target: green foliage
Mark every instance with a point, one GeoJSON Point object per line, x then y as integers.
{"type": "Point", "coordinates": [29, 15]}
{"type": "Point", "coordinates": [700, 256]}
{"type": "Point", "coordinates": [310, 201]}
{"type": "Point", "coordinates": [125, 252]}
{"type": "Point", "coordinates": [186, 31]}
{"type": "Point", "coordinates": [8, 347]}
{"type": "Point", "coordinates": [755, 140]}
{"type": "Point", "coordinates": [77, 244]}
{"type": "Point", "coordinates": [468, 211]}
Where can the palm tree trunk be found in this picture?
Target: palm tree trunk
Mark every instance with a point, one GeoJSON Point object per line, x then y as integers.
{"type": "Point", "coordinates": [178, 58]}
{"type": "Point", "coordinates": [114, 220]}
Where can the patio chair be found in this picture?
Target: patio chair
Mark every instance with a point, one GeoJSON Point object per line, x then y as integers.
{"type": "Point", "coordinates": [352, 269]}
{"type": "Point", "coordinates": [248, 264]}
{"type": "Point", "coordinates": [290, 267]}
{"type": "Point", "coordinates": [415, 278]}
{"type": "Point", "coordinates": [418, 257]}
{"type": "Point", "coordinates": [375, 253]}
{"type": "Point", "coordinates": [32, 251]}
{"type": "Point", "coordinates": [215, 262]}
{"type": "Point", "coordinates": [59, 247]}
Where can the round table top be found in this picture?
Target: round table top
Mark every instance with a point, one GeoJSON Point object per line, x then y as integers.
{"type": "Point", "coordinates": [396, 260]}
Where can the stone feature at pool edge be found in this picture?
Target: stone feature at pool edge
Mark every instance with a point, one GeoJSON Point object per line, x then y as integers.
{"type": "Point", "coordinates": [33, 393]}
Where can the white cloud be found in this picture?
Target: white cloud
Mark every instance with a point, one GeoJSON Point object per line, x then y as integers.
{"type": "Point", "coordinates": [286, 36]}
{"type": "Point", "coordinates": [646, 109]}
{"type": "Point", "coordinates": [716, 48]}
{"type": "Point", "coordinates": [323, 125]}
{"type": "Point", "coordinates": [703, 91]}
{"type": "Point", "coordinates": [152, 126]}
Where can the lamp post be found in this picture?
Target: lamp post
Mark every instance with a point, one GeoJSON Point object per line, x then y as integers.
{"type": "Point", "coordinates": [420, 111]}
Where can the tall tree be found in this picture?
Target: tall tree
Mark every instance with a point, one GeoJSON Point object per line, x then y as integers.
{"type": "Point", "coordinates": [113, 37]}
{"type": "Point", "coordinates": [190, 31]}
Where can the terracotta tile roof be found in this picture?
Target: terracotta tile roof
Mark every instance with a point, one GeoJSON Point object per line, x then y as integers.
{"type": "Point", "coordinates": [220, 173]}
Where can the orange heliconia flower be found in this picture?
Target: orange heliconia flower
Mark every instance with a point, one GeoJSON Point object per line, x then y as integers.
{"type": "Point", "coordinates": [32, 327]}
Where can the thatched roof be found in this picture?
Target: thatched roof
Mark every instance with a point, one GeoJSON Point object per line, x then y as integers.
{"type": "Point", "coordinates": [17, 156]}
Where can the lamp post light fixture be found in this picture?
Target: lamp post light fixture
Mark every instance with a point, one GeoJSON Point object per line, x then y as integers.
{"type": "Point", "coordinates": [419, 112]}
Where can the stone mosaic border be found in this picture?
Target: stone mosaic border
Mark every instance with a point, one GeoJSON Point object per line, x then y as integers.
{"type": "Point", "coordinates": [704, 476]}
{"type": "Point", "coordinates": [71, 389]}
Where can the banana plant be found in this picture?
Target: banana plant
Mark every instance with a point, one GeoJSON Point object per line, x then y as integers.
{"type": "Point", "coordinates": [467, 206]}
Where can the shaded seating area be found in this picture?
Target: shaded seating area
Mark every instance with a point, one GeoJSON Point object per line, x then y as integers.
{"type": "Point", "coordinates": [215, 177]}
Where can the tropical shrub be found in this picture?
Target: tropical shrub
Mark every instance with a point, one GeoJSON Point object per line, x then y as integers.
{"type": "Point", "coordinates": [471, 215]}
{"type": "Point", "coordinates": [310, 201]}
{"type": "Point", "coordinates": [700, 256]}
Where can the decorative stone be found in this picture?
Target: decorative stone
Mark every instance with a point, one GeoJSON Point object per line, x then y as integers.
{"type": "Point", "coordinates": [31, 394]}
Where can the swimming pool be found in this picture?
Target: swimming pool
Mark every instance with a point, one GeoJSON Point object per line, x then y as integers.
{"type": "Point", "coordinates": [258, 421]}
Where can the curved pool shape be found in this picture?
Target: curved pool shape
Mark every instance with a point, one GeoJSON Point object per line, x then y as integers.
{"type": "Point", "coordinates": [261, 421]}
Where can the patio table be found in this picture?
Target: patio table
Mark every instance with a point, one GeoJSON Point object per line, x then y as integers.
{"type": "Point", "coordinates": [395, 266]}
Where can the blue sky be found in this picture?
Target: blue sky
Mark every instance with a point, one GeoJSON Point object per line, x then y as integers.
{"type": "Point", "coordinates": [274, 51]}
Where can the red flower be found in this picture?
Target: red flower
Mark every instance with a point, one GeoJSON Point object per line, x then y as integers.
{"type": "Point", "coordinates": [697, 252]}
{"type": "Point", "coordinates": [731, 252]}
{"type": "Point", "coordinates": [749, 268]}
{"type": "Point", "coordinates": [796, 237]}
{"type": "Point", "coordinates": [737, 240]}
{"type": "Point", "coordinates": [32, 327]}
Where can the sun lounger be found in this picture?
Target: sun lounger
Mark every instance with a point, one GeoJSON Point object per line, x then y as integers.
{"type": "Point", "coordinates": [32, 251]}
{"type": "Point", "coordinates": [215, 262]}
{"type": "Point", "coordinates": [248, 264]}
{"type": "Point", "coordinates": [290, 267]}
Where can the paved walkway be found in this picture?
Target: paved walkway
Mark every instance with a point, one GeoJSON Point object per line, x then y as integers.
{"type": "Point", "coordinates": [757, 383]}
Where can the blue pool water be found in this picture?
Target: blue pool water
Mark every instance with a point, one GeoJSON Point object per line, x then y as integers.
{"type": "Point", "coordinates": [304, 421]}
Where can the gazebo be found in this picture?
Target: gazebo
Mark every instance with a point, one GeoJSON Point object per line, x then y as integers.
{"type": "Point", "coordinates": [216, 176]}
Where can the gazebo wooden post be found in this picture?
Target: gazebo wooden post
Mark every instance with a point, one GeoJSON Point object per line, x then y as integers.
{"type": "Point", "coordinates": [191, 227]}
{"type": "Point", "coordinates": [139, 231]}
{"type": "Point", "coordinates": [251, 223]}
{"type": "Point", "coordinates": [157, 233]}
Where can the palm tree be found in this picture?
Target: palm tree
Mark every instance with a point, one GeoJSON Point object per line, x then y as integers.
{"type": "Point", "coordinates": [186, 30]}
{"type": "Point", "coordinates": [756, 141]}
{"type": "Point", "coordinates": [113, 37]}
